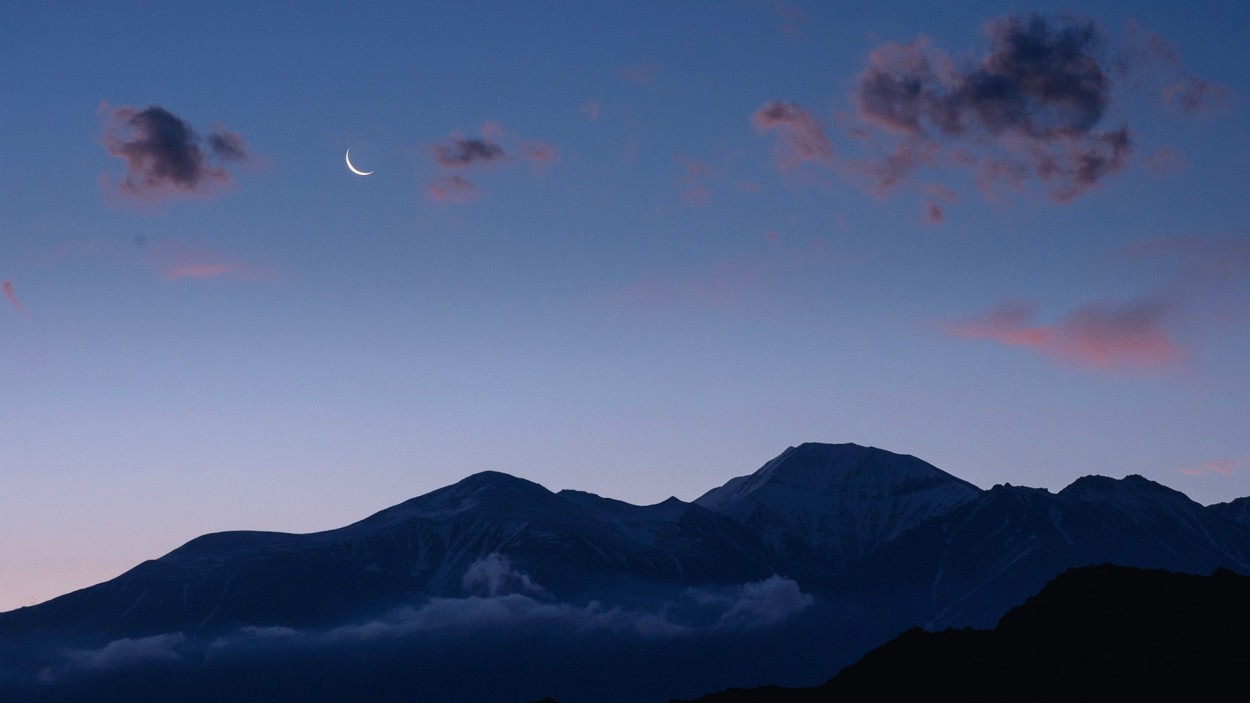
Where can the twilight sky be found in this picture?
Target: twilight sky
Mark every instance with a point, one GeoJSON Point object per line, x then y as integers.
{"type": "Point", "coordinates": [631, 248]}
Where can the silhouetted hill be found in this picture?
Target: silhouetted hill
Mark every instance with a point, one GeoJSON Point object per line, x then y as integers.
{"type": "Point", "coordinates": [1095, 631]}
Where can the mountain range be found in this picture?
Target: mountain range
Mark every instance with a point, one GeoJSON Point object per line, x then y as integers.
{"type": "Point", "coordinates": [497, 589]}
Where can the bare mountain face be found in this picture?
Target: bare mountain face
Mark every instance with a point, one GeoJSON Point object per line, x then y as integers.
{"type": "Point", "coordinates": [829, 548]}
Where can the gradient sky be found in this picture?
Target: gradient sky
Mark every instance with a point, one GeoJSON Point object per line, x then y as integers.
{"type": "Point", "coordinates": [631, 248]}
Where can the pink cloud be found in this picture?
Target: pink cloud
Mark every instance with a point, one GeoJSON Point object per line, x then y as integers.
{"type": "Point", "coordinates": [1215, 467]}
{"type": "Point", "coordinates": [540, 152]}
{"type": "Point", "coordinates": [792, 18]}
{"type": "Point", "coordinates": [802, 139]}
{"type": "Point", "coordinates": [937, 195]}
{"type": "Point", "coordinates": [1097, 336]}
{"type": "Point", "coordinates": [693, 189]}
{"type": "Point", "coordinates": [1164, 162]}
{"type": "Point", "coordinates": [176, 261]}
{"type": "Point", "coordinates": [452, 189]}
{"type": "Point", "coordinates": [1206, 284]}
{"type": "Point", "coordinates": [10, 296]}
{"type": "Point", "coordinates": [165, 156]}
{"type": "Point", "coordinates": [639, 73]}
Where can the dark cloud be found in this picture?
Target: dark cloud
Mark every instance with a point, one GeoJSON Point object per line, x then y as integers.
{"type": "Point", "coordinates": [802, 138]}
{"type": "Point", "coordinates": [1031, 107]}
{"type": "Point", "coordinates": [227, 145]}
{"type": "Point", "coordinates": [461, 153]}
{"type": "Point", "coordinates": [164, 155]}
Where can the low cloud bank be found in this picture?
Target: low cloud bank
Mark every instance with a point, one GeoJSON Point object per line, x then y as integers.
{"type": "Point", "coordinates": [499, 599]}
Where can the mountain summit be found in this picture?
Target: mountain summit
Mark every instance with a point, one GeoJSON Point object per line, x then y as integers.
{"type": "Point", "coordinates": [838, 502]}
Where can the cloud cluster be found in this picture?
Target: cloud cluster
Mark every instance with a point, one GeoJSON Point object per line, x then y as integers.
{"type": "Point", "coordinates": [460, 154]}
{"type": "Point", "coordinates": [164, 155]}
{"type": "Point", "coordinates": [1032, 106]}
{"type": "Point", "coordinates": [800, 136]}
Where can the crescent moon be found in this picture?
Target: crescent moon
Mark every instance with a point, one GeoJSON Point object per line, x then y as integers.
{"type": "Point", "coordinates": [348, 159]}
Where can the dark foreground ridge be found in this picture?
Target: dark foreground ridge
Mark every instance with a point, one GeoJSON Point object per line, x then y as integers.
{"type": "Point", "coordinates": [1094, 631]}
{"type": "Point", "coordinates": [496, 589]}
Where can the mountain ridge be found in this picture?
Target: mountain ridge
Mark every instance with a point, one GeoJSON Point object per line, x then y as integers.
{"type": "Point", "coordinates": [830, 548]}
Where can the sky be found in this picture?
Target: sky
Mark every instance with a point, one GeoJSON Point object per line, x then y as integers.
{"type": "Point", "coordinates": [630, 248]}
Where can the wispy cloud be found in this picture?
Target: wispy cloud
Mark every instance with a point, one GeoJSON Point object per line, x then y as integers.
{"type": "Point", "coordinates": [733, 286]}
{"type": "Point", "coordinates": [451, 189]}
{"type": "Point", "coordinates": [540, 153]}
{"type": "Point", "coordinates": [10, 296]}
{"type": "Point", "coordinates": [1147, 58]}
{"type": "Point", "coordinates": [692, 182]}
{"type": "Point", "coordinates": [1208, 276]}
{"type": "Point", "coordinates": [174, 261]}
{"type": "Point", "coordinates": [1214, 467]}
{"type": "Point", "coordinates": [165, 156]}
{"type": "Point", "coordinates": [642, 73]}
{"type": "Point", "coordinates": [1165, 162]}
{"type": "Point", "coordinates": [800, 136]}
{"type": "Point", "coordinates": [1097, 336]}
